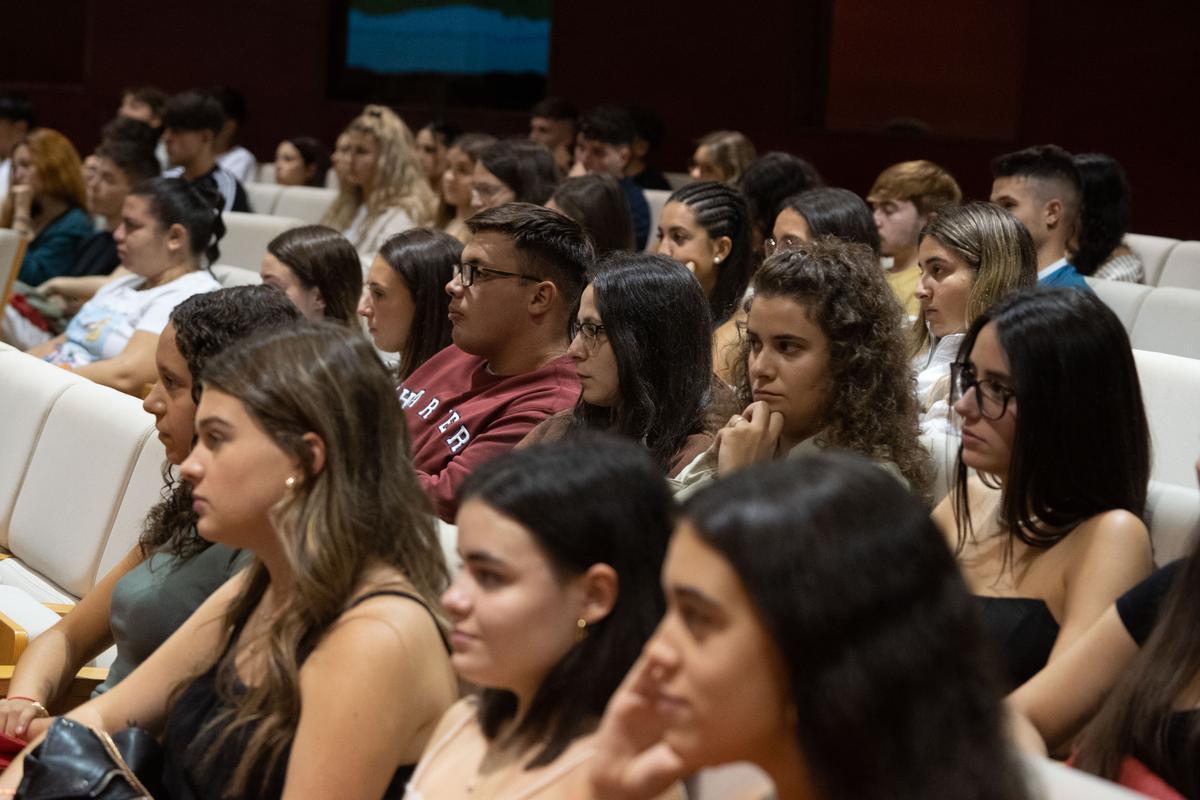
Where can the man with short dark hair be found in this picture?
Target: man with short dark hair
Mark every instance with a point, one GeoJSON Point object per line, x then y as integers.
{"type": "Point", "coordinates": [511, 302]}
{"type": "Point", "coordinates": [1040, 186]}
{"type": "Point", "coordinates": [191, 122]}
{"type": "Point", "coordinates": [16, 120]}
{"type": "Point", "coordinates": [552, 123]}
{"type": "Point", "coordinates": [605, 147]}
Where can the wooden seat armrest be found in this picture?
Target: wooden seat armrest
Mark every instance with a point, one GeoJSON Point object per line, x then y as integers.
{"type": "Point", "coordinates": [13, 640]}
{"type": "Point", "coordinates": [62, 609]}
{"type": "Point", "coordinates": [80, 690]}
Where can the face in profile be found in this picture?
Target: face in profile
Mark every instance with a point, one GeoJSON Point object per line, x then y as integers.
{"type": "Point", "coordinates": [237, 472]}
{"type": "Point", "coordinates": [788, 365]}
{"type": "Point", "coordinates": [488, 191]}
{"type": "Point", "coordinates": [602, 158]}
{"type": "Point", "coordinates": [484, 313]}
{"type": "Point", "coordinates": [791, 230]}
{"type": "Point", "coordinates": [24, 171]}
{"type": "Point", "coordinates": [899, 223]}
{"type": "Point", "coordinates": [432, 153]}
{"type": "Point", "coordinates": [988, 436]}
{"type": "Point", "coordinates": [170, 400]}
{"type": "Point", "coordinates": [290, 169]}
{"type": "Point", "coordinates": [360, 160]}
{"type": "Point", "coordinates": [307, 299]}
{"type": "Point", "coordinates": [456, 178]}
{"type": "Point", "coordinates": [550, 133]}
{"type": "Point", "coordinates": [943, 288]}
{"type": "Point", "coordinates": [704, 168]}
{"type": "Point", "coordinates": [514, 615]}
{"type": "Point", "coordinates": [595, 361]}
{"type": "Point", "coordinates": [107, 187]}
{"type": "Point", "coordinates": [387, 306]}
{"type": "Point", "coordinates": [1017, 196]}
{"type": "Point", "coordinates": [142, 245]}
{"type": "Point", "coordinates": [184, 147]}
{"type": "Point", "coordinates": [683, 239]}
{"type": "Point", "coordinates": [719, 680]}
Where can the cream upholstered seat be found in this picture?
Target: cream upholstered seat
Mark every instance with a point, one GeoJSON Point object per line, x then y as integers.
{"type": "Point", "coordinates": [1050, 780]}
{"type": "Point", "coordinates": [656, 199]}
{"type": "Point", "coordinates": [228, 275]}
{"type": "Point", "coordinates": [266, 172]}
{"type": "Point", "coordinates": [262, 196]}
{"type": "Point", "coordinates": [12, 249]}
{"type": "Point", "coordinates": [1171, 393]}
{"type": "Point", "coordinates": [1172, 515]}
{"type": "Point", "coordinates": [1182, 267]}
{"type": "Point", "coordinates": [1124, 298]}
{"type": "Point", "coordinates": [1169, 322]}
{"type": "Point", "coordinates": [247, 235]}
{"type": "Point", "coordinates": [1153, 252]}
{"type": "Point", "coordinates": [307, 203]}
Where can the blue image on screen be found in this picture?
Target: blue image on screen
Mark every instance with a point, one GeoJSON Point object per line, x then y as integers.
{"type": "Point", "coordinates": [460, 39]}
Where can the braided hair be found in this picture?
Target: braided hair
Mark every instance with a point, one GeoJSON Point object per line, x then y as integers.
{"type": "Point", "coordinates": [721, 210]}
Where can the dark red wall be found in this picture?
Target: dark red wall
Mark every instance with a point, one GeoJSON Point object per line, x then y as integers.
{"type": "Point", "coordinates": [817, 77]}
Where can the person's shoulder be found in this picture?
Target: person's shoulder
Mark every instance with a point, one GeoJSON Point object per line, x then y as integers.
{"type": "Point", "coordinates": [77, 221]}
{"type": "Point", "coordinates": [1114, 529]}
{"type": "Point", "coordinates": [449, 359]}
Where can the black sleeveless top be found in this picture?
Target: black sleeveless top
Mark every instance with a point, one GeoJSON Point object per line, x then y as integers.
{"type": "Point", "coordinates": [184, 747]}
{"type": "Point", "coordinates": [1023, 633]}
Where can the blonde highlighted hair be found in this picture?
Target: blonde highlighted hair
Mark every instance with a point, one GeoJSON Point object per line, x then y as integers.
{"type": "Point", "coordinates": [730, 151]}
{"type": "Point", "coordinates": [993, 244]}
{"type": "Point", "coordinates": [399, 178]}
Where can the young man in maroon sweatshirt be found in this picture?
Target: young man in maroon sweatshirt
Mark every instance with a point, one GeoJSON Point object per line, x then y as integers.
{"type": "Point", "coordinates": [511, 303]}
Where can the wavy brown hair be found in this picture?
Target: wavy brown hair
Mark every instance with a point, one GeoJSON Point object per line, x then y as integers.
{"type": "Point", "coordinates": [399, 177]}
{"type": "Point", "coordinates": [873, 405]}
{"type": "Point", "coordinates": [365, 506]}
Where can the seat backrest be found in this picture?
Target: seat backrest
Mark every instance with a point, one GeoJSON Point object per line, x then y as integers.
{"type": "Point", "coordinates": [1049, 780]}
{"type": "Point", "coordinates": [331, 179]}
{"type": "Point", "coordinates": [262, 196]}
{"type": "Point", "coordinates": [266, 172]}
{"type": "Point", "coordinates": [1169, 322]}
{"type": "Point", "coordinates": [29, 388]}
{"type": "Point", "coordinates": [12, 250]}
{"type": "Point", "coordinates": [79, 472]}
{"type": "Point", "coordinates": [656, 199]}
{"type": "Point", "coordinates": [1124, 298]}
{"type": "Point", "coordinates": [1171, 393]}
{"type": "Point", "coordinates": [228, 275]}
{"type": "Point", "coordinates": [1172, 515]}
{"type": "Point", "coordinates": [677, 179]}
{"type": "Point", "coordinates": [1182, 267]}
{"type": "Point", "coordinates": [247, 236]}
{"type": "Point", "coordinates": [1153, 252]}
{"type": "Point", "coordinates": [143, 491]}
{"type": "Point", "coordinates": [307, 203]}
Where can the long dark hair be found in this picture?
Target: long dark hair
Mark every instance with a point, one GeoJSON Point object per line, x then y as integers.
{"type": "Point", "coordinates": [598, 204]}
{"type": "Point", "coordinates": [323, 259]}
{"type": "Point", "coordinates": [314, 154]}
{"type": "Point", "coordinates": [1106, 210]}
{"type": "Point", "coordinates": [197, 207]}
{"type": "Point", "coordinates": [1064, 343]}
{"type": "Point", "coordinates": [565, 494]}
{"type": "Point", "coordinates": [205, 324]}
{"type": "Point", "coordinates": [721, 211]}
{"type": "Point", "coordinates": [873, 405]}
{"type": "Point", "coordinates": [425, 260]}
{"type": "Point", "coordinates": [657, 322]}
{"type": "Point", "coordinates": [1137, 715]}
{"type": "Point", "coordinates": [526, 168]}
{"type": "Point", "coordinates": [769, 180]}
{"type": "Point", "coordinates": [836, 212]}
{"type": "Point", "coordinates": [890, 674]}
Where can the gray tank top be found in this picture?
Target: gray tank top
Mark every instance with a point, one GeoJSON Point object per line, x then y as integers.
{"type": "Point", "coordinates": [155, 597]}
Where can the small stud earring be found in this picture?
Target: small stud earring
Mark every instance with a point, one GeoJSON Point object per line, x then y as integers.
{"type": "Point", "coordinates": [717, 260]}
{"type": "Point", "coordinates": [290, 482]}
{"type": "Point", "coordinates": [580, 629]}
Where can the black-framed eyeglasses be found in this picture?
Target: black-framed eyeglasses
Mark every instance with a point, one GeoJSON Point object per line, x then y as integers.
{"type": "Point", "coordinates": [991, 397]}
{"type": "Point", "coordinates": [466, 273]}
{"type": "Point", "coordinates": [590, 331]}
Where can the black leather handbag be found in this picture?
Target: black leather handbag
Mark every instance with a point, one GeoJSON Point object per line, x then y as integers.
{"type": "Point", "coordinates": [75, 761]}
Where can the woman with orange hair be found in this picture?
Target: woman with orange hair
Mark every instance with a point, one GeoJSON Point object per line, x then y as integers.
{"type": "Point", "coordinates": [383, 190]}
{"type": "Point", "coordinates": [45, 203]}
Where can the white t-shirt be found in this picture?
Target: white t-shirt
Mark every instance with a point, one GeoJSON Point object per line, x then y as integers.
{"type": "Point", "coordinates": [241, 162]}
{"type": "Point", "coordinates": [106, 323]}
{"type": "Point", "coordinates": [367, 240]}
{"type": "Point", "coordinates": [933, 384]}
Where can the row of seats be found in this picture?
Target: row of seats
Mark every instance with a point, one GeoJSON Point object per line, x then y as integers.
{"type": "Point", "coordinates": [1160, 319]}
{"type": "Point", "coordinates": [79, 468]}
{"type": "Point", "coordinates": [1168, 262]}
{"type": "Point", "coordinates": [306, 203]}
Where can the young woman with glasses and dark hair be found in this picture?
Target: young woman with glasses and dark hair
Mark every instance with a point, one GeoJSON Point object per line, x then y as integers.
{"type": "Point", "coordinates": [642, 353]}
{"type": "Point", "coordinates": [405, 302]}
{"type": "Point", "coordinates": [513, 171]}
{"type": "Point", "coordinates": [823, 212]}
{"type": "Point", "coordinates": [562, 545]}
{"type": "Point", "coordinates": [1049, 531]}
{"type": "Point", "coordinates": [828, 640]}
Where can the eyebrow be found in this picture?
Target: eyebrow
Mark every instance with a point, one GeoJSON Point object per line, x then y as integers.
{"type": "Point", "coordinates": [212, 422]}
{"type": "Point", "coordinates": [990, 374]}
{"type": "Point", "coordinates": [481, 557]}
{"type": "Point", "coordinates": [686, 592]}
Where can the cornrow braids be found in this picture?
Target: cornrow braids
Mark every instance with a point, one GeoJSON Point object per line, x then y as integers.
{"type": "Point", "coordinates": [722, 211]}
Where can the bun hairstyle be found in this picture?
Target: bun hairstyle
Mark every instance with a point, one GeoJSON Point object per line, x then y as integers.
{"type": "Point", "coordinates": [174, 201]}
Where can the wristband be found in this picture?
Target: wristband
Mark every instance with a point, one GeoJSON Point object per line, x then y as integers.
{"type": "Point", "coordinates": [35, 703]}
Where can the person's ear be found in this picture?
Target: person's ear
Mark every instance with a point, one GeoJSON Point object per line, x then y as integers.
{"type": "Point", "coordinates": [624, 154]}
{"type": "Point", "coordinates": [177, 239]}
{"type": "Point", "coordinates": [721, 247]}
{"type": "Point", "coordinates": [316, 451]}
{"type": "Point", "coordinates": [542, 300]}
{"type": "Point", "coordinates": [1052, 213]}
{"type": "Point", "coordinates": [601, 587]}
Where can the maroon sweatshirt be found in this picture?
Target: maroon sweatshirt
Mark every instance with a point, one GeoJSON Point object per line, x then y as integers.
{"type": "Point", "coordinates": [460, 415]}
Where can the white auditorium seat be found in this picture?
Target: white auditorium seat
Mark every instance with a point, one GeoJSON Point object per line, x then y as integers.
{"type": "Point", "coordinates": [331, 180]}
{"type": "Point", "coordinates": [1169, 322]}
{"type": "Point", "coordinates": [262, 196]}
{"type": "Point", "coordinates": [247, 235]}
{"type": "Point", "coordinates": [228, 275]}
{"type": "Point", "coordinates": [1050, 780]}
{"type": "Point", "coordinates": [1124, 298]}
{"type": "Point", "coordinates": [307, 203]}
{"type": "Point", "coordinates": [1153, 251]}
{"type": "Point", "coordinates": [12, 251]}
{"type": "Point", "coordinates": [1182, 267]}
{"type": "Point", "coordinates": [677, 179]}
{"type": "Point", "coordinates": [1171, 393]}
{"type": "Point", "coordinates": [266, 172]}
{"type": "Point", "coordinates": [1173, 516]}
{"type": "Point", "coordinates": [656, 199]}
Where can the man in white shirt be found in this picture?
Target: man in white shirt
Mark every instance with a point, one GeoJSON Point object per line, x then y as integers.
{"type": "Point", "coordinates": [16, 119]}
{"type": "Point", "coordinates": [191, 122]}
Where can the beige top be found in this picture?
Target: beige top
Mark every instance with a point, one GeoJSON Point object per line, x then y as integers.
{"type": "Point", "coordinates": [451, 767]}
{"type": "Point", "coordinates": [904, 286]}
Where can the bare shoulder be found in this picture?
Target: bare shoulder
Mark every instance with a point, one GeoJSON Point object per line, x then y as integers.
{"type": "Point", "coordinates": [1117, 531]}
{"type": "Point", "coordinates": [388, 625]}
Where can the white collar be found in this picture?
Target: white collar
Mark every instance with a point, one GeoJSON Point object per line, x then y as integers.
{"type": "Point", "coordinates": [1050, 270]}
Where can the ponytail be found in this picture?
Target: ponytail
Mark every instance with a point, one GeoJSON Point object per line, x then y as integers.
{"type": "Point", "coordinates": [197, 207]}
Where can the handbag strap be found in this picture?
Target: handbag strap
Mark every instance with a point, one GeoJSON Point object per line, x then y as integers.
{"type": "Point", "coordinates": [115, 755]}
